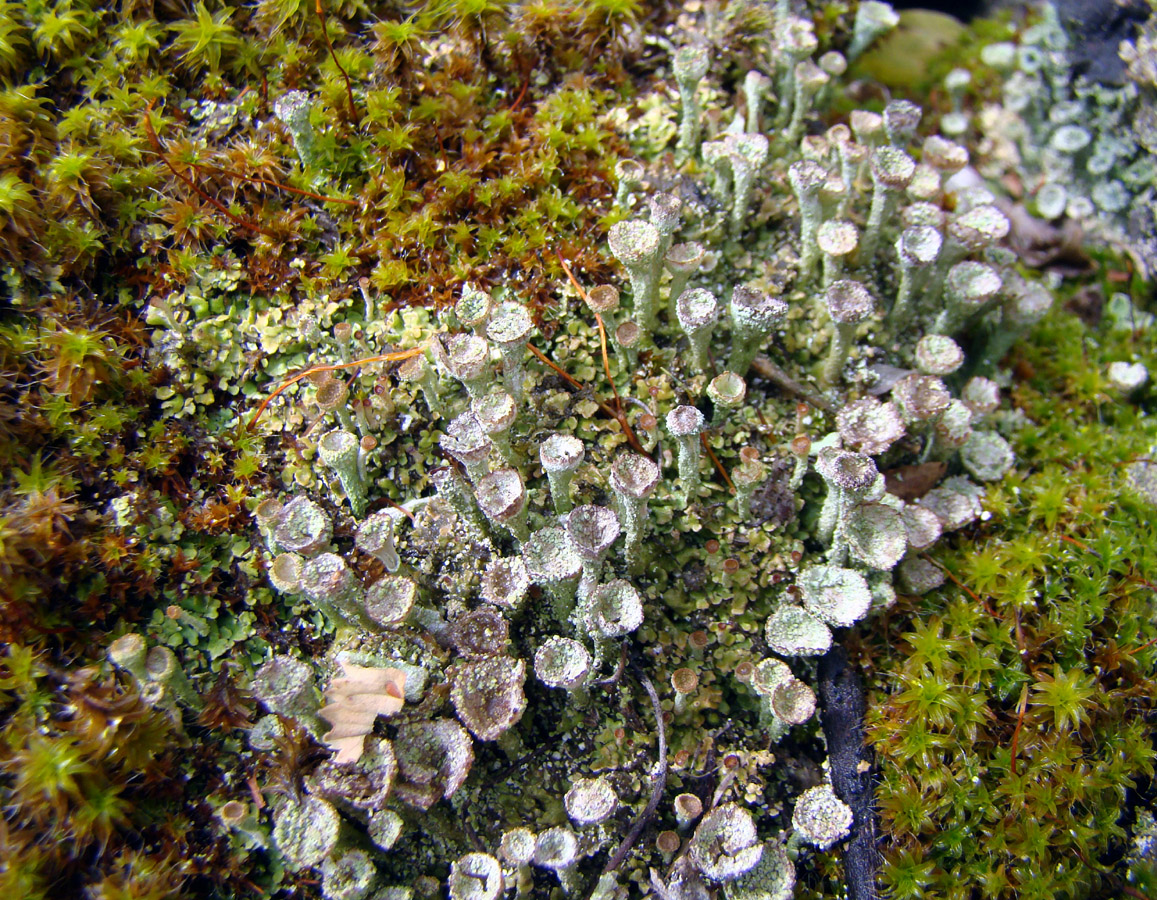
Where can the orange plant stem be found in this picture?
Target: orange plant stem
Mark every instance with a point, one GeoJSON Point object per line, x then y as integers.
{"type": "Point", "coordinates": [715, 459]}
{"type": "Point", "coordinates": [542, 357]}
{"type": "Point", "coordinates": [396, 356]}
{"type": "Point", "coordinates": [1016, 731]}
{"type": "Point", "coordinates": [960, 584]}
{"type": "Point", "coordinates": [578, 385]}
{"type": "Point", "coordinates": [618, 413]}
{"type": "Point", "coordinates": [329, 46]}
{"type": "Point", "coordinates": [158, 147]}
{"type": "Point", "coordinates": [277, 184]}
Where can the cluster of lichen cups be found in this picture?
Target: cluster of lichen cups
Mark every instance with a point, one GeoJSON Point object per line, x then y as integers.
{"type": "Point", "coordinates": [908, 268]}
{"type": "Point", "coordinates": [1083, 147]}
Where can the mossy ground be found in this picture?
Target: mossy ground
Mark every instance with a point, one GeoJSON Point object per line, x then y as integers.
{"type": "Point", "coordinates": [1013, 710]}
{"type": "Point", "coordinates": [1010, 725]}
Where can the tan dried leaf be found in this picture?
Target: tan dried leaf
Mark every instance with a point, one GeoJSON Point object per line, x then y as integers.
{"type": "Point", "coordinates": [354, 703]}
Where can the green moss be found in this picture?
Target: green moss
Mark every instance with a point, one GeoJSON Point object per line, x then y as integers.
{"type": "Point", "coordinates": [1012, 713]}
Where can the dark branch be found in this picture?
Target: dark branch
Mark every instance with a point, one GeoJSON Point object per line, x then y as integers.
{"type": "Point", "coordinates": [843, 721]}
{"type": "Point", "coordinates": [657, 788]}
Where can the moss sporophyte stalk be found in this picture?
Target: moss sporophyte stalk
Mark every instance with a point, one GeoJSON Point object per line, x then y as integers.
{"type": "Point", "coordinates": [474, 450]}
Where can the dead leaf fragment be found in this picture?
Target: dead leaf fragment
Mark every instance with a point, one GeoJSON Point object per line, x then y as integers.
{"type": "Point", "coordinates": [354, 703]}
